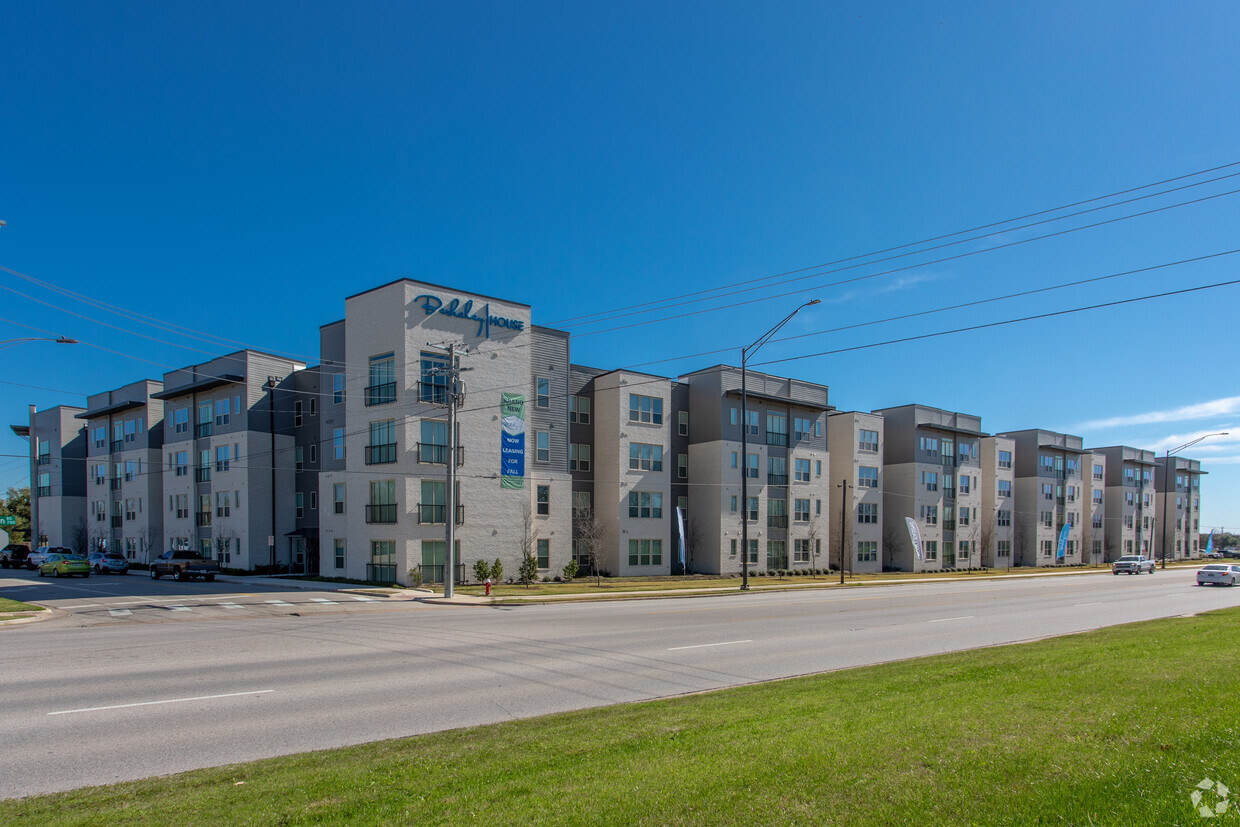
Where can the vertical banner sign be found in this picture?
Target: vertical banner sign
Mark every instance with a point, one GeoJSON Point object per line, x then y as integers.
{"type": "Point", "coordinates": [512, 441]}
{"type": "Point", "coordinates": [914, 536]}
{"type": "Point", "coordinates": [1210, 542]}
{"type": "Point", "coordinates": [1063, 541]}
{"type": "Point", "coordinates": [684, 562]}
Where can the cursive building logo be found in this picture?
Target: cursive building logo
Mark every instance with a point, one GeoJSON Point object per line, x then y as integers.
{"type": "Point", "coordinates": [465, 310]}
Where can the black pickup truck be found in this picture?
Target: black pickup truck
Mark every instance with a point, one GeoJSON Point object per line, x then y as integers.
{"type": "Point", "coordinates": [184, 564]}
{"type": "Point", "coordinates": [14, 555]}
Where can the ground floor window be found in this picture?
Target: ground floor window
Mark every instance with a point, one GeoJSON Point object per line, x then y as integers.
{"type": "Point", "coordinates": [544, 554]}
{"type": "Point", "coordinates": [867, 551]}
{"type": "Point", "coordinates": [776, 554]}
{"type": "Point", "coordinates": [800, 551]}
{"type": "Point", "coordinates": [339, 554]}
{"type": "Point", "coordinates": [1003, 548]}
{"type": "Point", "coordinates": [648, 552]}
{"type": "Point", "coordinates": [932, 549]}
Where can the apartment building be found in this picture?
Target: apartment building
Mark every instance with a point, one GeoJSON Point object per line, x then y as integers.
{"type": "Point", "coordinates": [124, 445]}
{"type": "Point", "coordinates": [1129, 516]}
{"type": "Point", "coordinates": [998, 501]}
{"type": "Point", "coordinates": [1049, 490]}
{"type": "Point", "coordinates": [932, 477]}
{"type": "Point", "coordinates": [229, 459]}
{"type": "Point", "coordinates": [57, 477]}
{"type": "Point", "coordinates": [1094, 523]}
{"type": "Point", "coordinates": [1178, 483]}
{"type": "Point", "coordinates": [855, 445]}
{"type": "Point", "coordinates": [784, 459]}
{"type": "Point", "coordinates": [386, 417]}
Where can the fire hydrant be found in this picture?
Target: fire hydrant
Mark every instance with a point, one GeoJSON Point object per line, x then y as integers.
{"type": "Point", "coordinates": [488, 585]}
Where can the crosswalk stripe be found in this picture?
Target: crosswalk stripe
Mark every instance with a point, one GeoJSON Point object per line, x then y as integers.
{"type": "Point", "coordinates": [230, 605]}
{"type": "Point", "coordinates": [120, 612]}
{"type": "Point", "coordinates": [278, 603]}
{"type": "Point", "coordinates": [324, 601]}
{"type": "Point", "coordinates": [364, 599]}
{"type": "Point", "coordinates": [178, 608]}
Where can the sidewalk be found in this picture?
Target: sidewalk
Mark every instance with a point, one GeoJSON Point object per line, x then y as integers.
{"type": "Point", "coordinates": [285, 581]}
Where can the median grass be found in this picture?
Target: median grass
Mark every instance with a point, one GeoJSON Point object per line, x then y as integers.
{"type": "Point", "coordinates": [1112, 727]}
{"type": "Point", "coordinates": [10, 609]}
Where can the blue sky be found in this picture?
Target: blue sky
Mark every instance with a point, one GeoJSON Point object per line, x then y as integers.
{"type": "Point", "coordinates": [237, 169]}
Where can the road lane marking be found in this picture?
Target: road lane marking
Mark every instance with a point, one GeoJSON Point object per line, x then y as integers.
{"type": "Point", "coordinates": [946, 619]}
{"type": "Point", "coordinates": [1095, 603]}
{"type": "Point", "coordinates": [178, 608]}
{"type": "Point", "coordinates": [231, 606]}
{"type": "Point", "coordinates": [169, 701]}
{"type": "Point", "coordinates": [278, 603]}
{"type": "Point", "coordinates": [364, 599]}
{"type": "Point", "coordinates": [120, 612]}
{"type": "Point", "coordinates": [705, 645]}
{"type": "Point", "coordinates": [325, 601]}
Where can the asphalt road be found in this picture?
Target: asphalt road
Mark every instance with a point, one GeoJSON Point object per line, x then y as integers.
{"type": "Point", "coordinates": [103, 699]}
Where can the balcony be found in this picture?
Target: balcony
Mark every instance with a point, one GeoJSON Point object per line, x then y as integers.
{"type": "Point", "coordinates": [381, 572]}
{"type": "Point", "coordinates": [379, 394]}
{"type": "Point", "coordinates": [381, 454]}
{"type": "Point", "coordinates": [202, 474]}
{"type": "Point", "coordinates": [116, 446]}
{"type": "Point", "coordinates": [203, 429]}
{"type": "Point", "coordinates": [950, 462]}
{"type": "Point", "coordinates": [432, 453]}
{"type": "Point", "coordinates": [949, 493]}
{"type": "Point", "coordinates": [435, 514]}
{"type": "Point", "coordinates": [434, 574]}
{"type": "Point", "coordinates": [383, 514]}
{"type": "Point", "coordinates": [116, 484]}
{"type": "Point", "coordinates": [43, 459]}
{"type": "Point", "coordinates": [775, 438]}
{"type": "Point", "coordinates": [777, 520]}
{"type": "Point", "coordinates": [44, 491]}
{"type": "Point", "coordinates": [202, 519]}
{"type": "Point", "coordinates": [776, 479]}
{"type": "Point", "coordinates": [117, 522]}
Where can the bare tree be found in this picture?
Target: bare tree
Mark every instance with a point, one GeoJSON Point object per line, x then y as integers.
{"type": "Point", "coordinates": [812, 537]}
{"type": "Point", "coordinates": [693, 539]}
{"type": "Point", "coordinates": [588, 530]}
{"type": "Point", "coordinates": [893, 540]}
{"type": "Point", "coordinates": [986, 539]}
{"type": "Point", "coordinates": [79, 536]}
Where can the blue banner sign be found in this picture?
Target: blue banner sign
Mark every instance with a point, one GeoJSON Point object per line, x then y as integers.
{"type": "Point", "coordinates": [512, 441]}
{"type": "Point", "coordinates": [465, 310]}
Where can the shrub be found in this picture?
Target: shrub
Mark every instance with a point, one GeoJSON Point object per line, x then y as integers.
{"type": "Point", "coordinates": [415, 578]}
{"type": "Point", "coordinates": [570, 571]}
{"type": "Point", "coordinates": [481, 570]}
{"type": "Point", "coordinates": [497, 571]}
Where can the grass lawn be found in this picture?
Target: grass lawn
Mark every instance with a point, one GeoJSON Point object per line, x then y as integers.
{"type": "Point", "coordinates": [1116, 726]}
{"type": "Point", "coordinates": [9, 608]}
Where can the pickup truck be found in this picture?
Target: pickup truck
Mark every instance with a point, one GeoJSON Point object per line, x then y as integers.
{"type": "Point", "coordinates": [1132, 564]}
{"type": "Point", "coordinates": [14, 555]}
{"type": "Point", "coordinates": [184, 564]}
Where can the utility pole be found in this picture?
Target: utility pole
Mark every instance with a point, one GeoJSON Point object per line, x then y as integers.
{"type": "Point", "coordinates": [453, 396]}
{"type": "Point", "coordinates": [271, 430]}
{"type": "Point", "coordinates": [843, 525]}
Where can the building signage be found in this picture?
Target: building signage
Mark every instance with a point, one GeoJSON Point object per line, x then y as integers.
{"type": "Point", "coordinates": [512, 441]}
{"type": "Point", "coordinates": [914, 536]}
{"type": "Point", "coordinates": [465, 310]}
{"type": "Point", "coordinates": [1063, 541]}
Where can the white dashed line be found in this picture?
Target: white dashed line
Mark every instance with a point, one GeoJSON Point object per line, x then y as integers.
{"type": "Point", "coordinates": [120, 612]}
{"type": "Point", "coordinates": [230, 606]}
{"type": "Point", "coordinates": [705, 645]}
{"type": "Point", "coordinates": [364, 599]}
{"type": "Point", "coordinates": [277, 603]}
{"type": "Point", "coordinates": [946, 619]}
{"type": "Point", "coordinates": [325, 601]}
{"type": "Point", "coordinates": [169, 701]}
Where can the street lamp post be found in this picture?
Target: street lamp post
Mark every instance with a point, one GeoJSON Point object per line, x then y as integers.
{"type": "Point", "coordinates": [745, 354]}
{"type": "Point", "coordinates": [60, 340]}
{"type": "Point", "coordinates": [1168, 476]}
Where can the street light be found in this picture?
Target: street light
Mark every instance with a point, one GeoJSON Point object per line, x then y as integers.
{"type": "Point", "coordinates": [61, 340]}
{"type": "Point", "coordinates": [1167, 477]}
{"type": "Point", "coordinates": [745, 353]}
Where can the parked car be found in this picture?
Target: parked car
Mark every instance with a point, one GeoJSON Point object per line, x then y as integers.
{"type": "Point", "coordinates": [184, 564]}
{"type": "Point", "coordinates": [39, 556]}
{"type": "Point", "coordinates": [108, 562]}
{"type": "Point", "coordinates": [14, 555]}
{"type": "Point", "coordinates": [1233, 553]}
{"type": "Point", "coordinates": [64, 565]}
{"type": "Point", "coordinates": [1213, 555]}
{"type": "Point", "coordinates": [1132, 564]}
{"type": "Point", "coordinates": [1218, 574]}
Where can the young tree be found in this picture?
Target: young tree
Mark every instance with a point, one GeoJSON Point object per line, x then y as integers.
{"type": "Point", "coordinates": [588, 531]}
{"type": "Point", "coordinates": [527, 572]}
{"type": "Point", "coordinates": [481, 570]}
{"type": "Point", "coordinates": [693, 541]}
{"type": "Point", "coordinates": [79, 537]}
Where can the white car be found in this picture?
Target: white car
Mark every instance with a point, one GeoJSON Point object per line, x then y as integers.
{"type": "Point", "coordinates": [1222, 574]}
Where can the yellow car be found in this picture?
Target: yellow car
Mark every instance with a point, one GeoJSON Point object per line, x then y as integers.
{"type": "Point", "coordinates": [64, 565]}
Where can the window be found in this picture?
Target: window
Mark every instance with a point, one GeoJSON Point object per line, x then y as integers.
{"type": "Point", "coordinates": [542, 395]}
{"type": "Point", "coordinates": [929, 444]}
{"type": "Point", "coordinates": [777, 470]}
{"type": "Point", "coordinates": [867, 477]}
{"type": "Point", "coordinates": [644, 457]}
{"type": "Point", "coordinates": [963, 549]}
{"type": "Point", "coordinates": [579, 409]}
{"type": "Point", "coordinates": [101, 473]}
{"type": "Point", "coordinates": [932, 549]}
{"type": "Point", "coordinates": [314, 500]}
{"type": "Point", "coordinates": [221, 458]}
{"type": "Point", "coordinates": [314, 452]}
{"type": "Point", "coordinates": [1047, 547]}
{"type": "Point", "coordinates": [338, 490]}
{"type": "Point", "coordinates": [964, 483]}
{"type": "Point", "coordinates": [1003, 518]}
{"type": "Point", "coordinates": [131, 430]}
{"type": "Point", "coordinates": [817, 468]}
{"type": "Point", "coordinates": [434, 504]}
{"type": "Point", "coordinates": [581, 501]}
{"type": "Point", "coordinates": [776, 555]}
{"type": "Point", "coordinates": [867, 440]}
{"type": "Point", "coordinates": [752, 513]}
{"type": "Point", "coordinates": [1047, 518]}
{"type": "Point", "coordinates": [751, 422]}
{"type": "Point", "coordinates": [222, 411]}
{"type": "Point", "coordinates": [382, 506]}
{"type": "Point", "coordinates": [801, 427]}
{"type": "Point", "coordinates": [297, 413]}
{"type": "Point", "coordinates": [382, 446]}
{"type": "Point", "coordinates": [382, 387]}
{"type": "Point", "coordinates": [203, 472]}
{"type": "Point", "coordinates": [800, 511]}
{"type": "Point", "coordinates": [930, 479]}
{"type": "Point", "coordinates": [867, 551]}
{"type": "Point", "coordinates": [1005, 488]}
{"type": "Point", "coordinates": [204, 420]}
{"type": "Point", "coordinates": [931, 514]}
{"type": "Point", "coordinates": [1005, 459]}
{"type": "Point", "coordinates": [383, 552]}
{"type": "Point", "coordinates": [301, 504]}
{"type": "Point", "coordinates": [777, 512]}
{"type": "Point", "coordinates": [542, 446]}
{"type": "Point", "coordinates": [338, 397]}
{"type": "Point", "coordinates": [1097, 496]}
{"type": "Point", "coordinates": [648, 552]}
{"type": "Point", "coordinates": [800, 551]}
{"type": "Point", "coordinates": [776, 429]}
{"type": "Point", "coordinates": [964, 515]}
{"type": "Point", "coordinates": [544, 499]}
{"type": "Point", "coordinates": [223, 504]}
{"type": "Point", "coordinates": [733, 509]}
{"type": "Point", "coordinates": [338, 443]}
{"type": "Point", "coordinates": [1003, 548]}
{"type": "Point", "coordinates": [433, 444]}
{"type": "Point", "coordinates": [433, 378]}
{"type": "Point", "coordinates": [867, 513]}
{"type": "Point", "coordinates": [339, 549]}
{"type": "Point", "coordinates": [801, 470]}
{"type": "Point", "coordinates": [644, 504]}
{"type": "Point", "coordinates": [299, 458]}
{"type": "Point", "coordinates": [751, 466]}
{"type": "Point", "coordinates": [682, 426]}
{"type": "Point", "coordinates": [579, 457]}
{"type": "Point", "coordinates": [544, 554]}
{"type": "Point", "coordinates": [682, 466]}
{"type": "Point", "coordinates": [645, 409]}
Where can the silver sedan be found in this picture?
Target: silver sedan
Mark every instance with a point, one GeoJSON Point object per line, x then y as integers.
{"type": "Point", "coordinates": [1221, 574]}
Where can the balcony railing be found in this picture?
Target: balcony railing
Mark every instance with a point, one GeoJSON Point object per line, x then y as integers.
{"type": "Point", "coordinates": [202, 475]}
{"type": "Point", "coordinates": [381, 513]}
{"type": "Point", "coordinates": [116, 446]}
{"type": "Point", "coordinates": [435, 514]}
{"type": "Point", "coordinates": [202, 518]}
{"type": "Point", "coordinates": [379, 394]}
{"type": "Point", "coordinates": [776, 438]}
{"type": "Point", "coordinates": [43, 459]}
{"type": "Point", "coordinates": [949, 493]}
{"type": "Point", "coordinates": [203, 429]}
{"type": "Point", "coordinates": [432, 453]}
{"type": "Point", "coordinates": [776, 479]}
{"type": "Point", "coordinates": [950, 462]}
{"type": "Point", "coordinates": [381, 454]}
{"type": "Point", "coordinates": [434, 574]}
{"type": "Point", "coordinates": [777, 520]}
{"type": "Point", "coordinates": [44, 491]}
{"type": "Point", "coordinates": [117, 522]}
{"type": "Point", "coordinates": [381, 572]}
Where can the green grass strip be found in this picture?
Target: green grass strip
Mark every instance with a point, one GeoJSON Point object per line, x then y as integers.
{"type": "Point", "coordinates": [7, 605]}
{"type": "Point", "coordinates": [1113, 727]}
